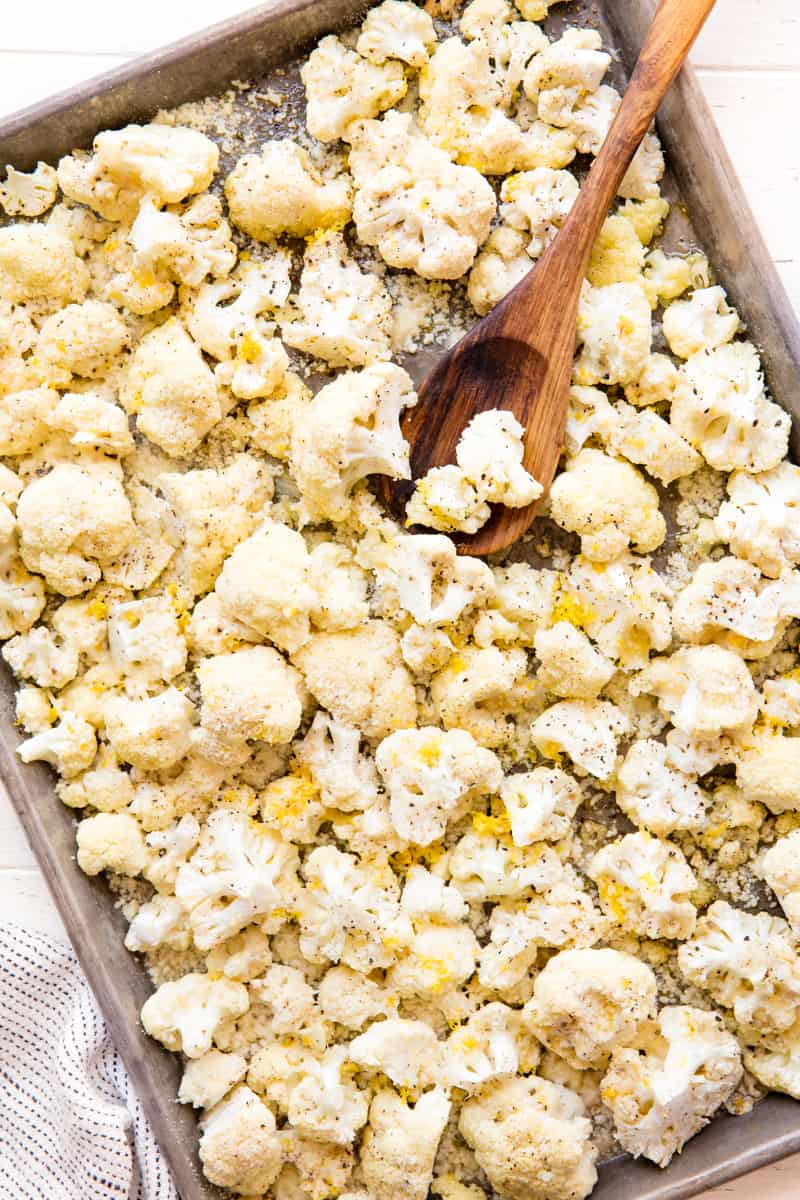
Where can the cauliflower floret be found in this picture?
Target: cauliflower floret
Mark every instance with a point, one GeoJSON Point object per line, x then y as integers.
{"type": "Point", "coordinates": [437, 960]}
{"type": "Point", "coordinates": [430, 581]}
{"type": "Point", "coordinates": [69, 746]}
{"type": "Point", "coordinates": [111, 842]}
{"type": "Point", "coordinates": [165, 162]}
{"type": "Point", "coordinates": [650, 441]}
{"type": "Point", "coordinates": [484, 867]}
{"type": "Point", "coordinates": [250, 694]}
{"type": "Point", "coordinates": [644, 884]}
{"type": "Point", "coordinates": [72, 522]}
{"type": "Point", "coordinates": [208, 1080]}
{"type": "Point", "coordinates": [767, 773]}
{"type": "Point", "coordinates": [589, 415]}
{"type": "Point", "coordinates": [490, 452]}
{"type": "Point", "coordinates": [668, 1085]}
{"type": "Point", "coordinates": [655, 795]}
{"type": "Point", "coordinates": [226, 319]}
{"type": "Point", "coordinates": [705, 690]}
{"type": "Point", "coordinates": [587, 1003]}
{"type": "Point", "coordinates": [351, 999]}
{"type": "Point", "coordinates": [214, 511]}
{"type": "Point", "coordinates": [397, 29]}
{"type": "Point", "coordinates": [240, 1147]}
{"type": "Point", "coordinates": [324, 1107]}
{"type": "Point", "coordinates": [29, 195]}
{"type": "Point", "coordinates": [746, 962]}
{"type": "Point", "coordinates": [761, 519]}
{"type": "Point", "coordinates": [540, 804]}
{"type": "Point", "coordinates": [37, 656]}
{"type": "Point", "coordinates": [491, 1044]}
{"type": "Point", "coordinates": [244, 957]}
{"type": "Point", "coordinates": [614, 333]}
{"type": "Point", "coordinates": [145, 640]}
{"type": "Point", "coordinates": [565, 73]}
{"type": "Point", "coordinates": [422, 211]}
{"type": "Point", "coordinates": [658, 382]}
{"type": "Point", "coordinates": [155, 543]}
{"type": "Point", "coordinates": [780, 868]}
{"type": "Point", "coordinates": [84, 339]}
{"type": "Point", "coordinates": [426, 896]}
{"type": "Point", "coordinates": [106, 787]}
{"type": "Point", "coordinates": [725, 413]}
{"type": "Point", "coordinates": [609, 503]}
{"type": "Point", "coordinates": [531, 1137]}
{"type": "Point", "coordinates": [239, 871]}
{"type": "Point", "coordinates": [499, 267]}
{"type": "Point", "coordinates": [171, 390]}
{"type": "Point", "coordinates": [400, 1143]}
{"type": "Point", "coordinates": [38, 263]}
{"type": "Point", "coordinates": [351, 430]}
{"type": "Point", "coordinates": [342, 87]}
{"type": "Point", "coordinates": [780, 703]}
{"type": "Point", "coordinates": [280, 191]}
{"type": "Point", "coordinates": [569, 665]}
{"type": "Point", "coordinates": [330, 751]}
{"type": "Point", "coordinates": [729, 602]}
{"type": "Point", "coordinates": [342, 314]}
{"type": "Point", "coordinates": [537, 203]}
{"type": "Point", "coordinates": [408, 1052]}
{"type": "Point", "coordinates": [151, 733]}
{"type": "Point", "coordinates": [93, 423]}
{"type": "Point", "coordinates": [482, 689]}
{"type": "Point", "coordinates": [171, 848]}
{"type": "Point", "coordinates": [159, 922]}
{"type": "Point", "coordinates": [360, 677]}
{"type": "Point", "coordinates": [185, 1015]}
{"type": "Point", "coordinates": [430, 776]}
{"type": "Point", "coordinates": [774, 1062]}
{"type": "Point", "coordinates": [586, 730]}
{"type": "Point", "coordinates": [25, 419]}
{"type": "Point", "coordinates": [445, 499]}
{"type": "Point", "coordinates": [266, 584]}
{"type": "Point", "coordinates": [618, 254]}
{"type": "Point", "coordinates": [703, 322]}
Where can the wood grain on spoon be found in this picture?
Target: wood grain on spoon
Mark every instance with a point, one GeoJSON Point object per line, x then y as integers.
{"type": "Point", "coordinates": [519, 357]}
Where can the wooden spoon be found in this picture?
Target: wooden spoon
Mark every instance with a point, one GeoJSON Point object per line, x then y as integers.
{"type": "Point", "coordinates": [519, 357]}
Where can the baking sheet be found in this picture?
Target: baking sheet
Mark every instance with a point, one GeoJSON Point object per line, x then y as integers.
{"type": "Point", "coordinates": [249, 47]}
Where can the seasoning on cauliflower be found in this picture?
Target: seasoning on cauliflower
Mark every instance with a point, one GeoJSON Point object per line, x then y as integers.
{"type": "Point", "coordinates": [569, 665]}
{"type": "Point", "coordinates": [587, 1003]}
{"type": "Point", "coordinates": [614, 333]}
{"type": "Point", "coordinates": [586, 730]}
{"type": "Point", "coordinates": [644, 884]}
{"type": "Point", "coordinates": [342, 87]}
{"type": "Point", "coordinates": [249, 694]}
{"type": "Point", "coordinates": [400, 1143]}
{"type": "Point", "coordinates": [609, 503]}
{"type": "Point", "coordinates": [656, 796]}
{"type": "Point", "coordinates": [759, 520]}
{"type": "Point", "coordinates": [280, 190]}
{"type": "Point", "coordinates": [445, 499]}
{"type": "Point", "coordinates": [540, 804]}
{"type": "Point", "coordinates": [84, 339]}
{"type": "Point", "coordinates": [481, 689]}
{"type": "Point", "coordinates": [240, 1147]}
{"type": "Point", "coordinates": [430, 581]}
{"type": "Point", "coordinates": [705, 690]}
{"type": "Point", "coordinates": [186, 1014]}
{"type": "Point", "coordinates": [729, 603]}
{"type": "Point", "coordinates": [39, 263]}
{"type": "Point", "coordinates": [396, 29]}
{"type": "Point", "coordinates": [664, 1088]}
{"type": "Point", "coordinates": [490, 452]}
{"type": "Point", "coordinates": [28, 195]}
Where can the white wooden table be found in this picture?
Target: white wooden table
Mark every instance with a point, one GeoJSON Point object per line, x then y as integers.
{"type": "Point", "coordinates": [749, 63]}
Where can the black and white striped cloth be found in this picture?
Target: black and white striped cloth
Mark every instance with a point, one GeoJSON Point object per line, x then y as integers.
{"type": "Point", "coordinates": [71, 1125]}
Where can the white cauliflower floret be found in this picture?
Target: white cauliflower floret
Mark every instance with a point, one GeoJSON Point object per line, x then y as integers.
{"type": "Point", "coordinates": [655, 795]}
{"type": "Point", "coordinates": [703, 322]}
{"type": "Point", "coordinates": [649, 441]}
{"type": "Point", "coordinates": [609, 503]}
{"type": "Point", "coordinates": [155, 543]}
{"type": "Point", "coordinates": [325, 1107]}
{"type": "Point", "coordinates": [341, 314]}
{"type": "Point", "coordinates": [266, 584]}
{"type": "Point", "coordinates": [587, 1003]}
{"type": "Point", "coordinates": [105, 787]}
{"type": "Point", "coordinates": [397, 29]}
{"type": "Point", "coordinates": [171, 390]}
{"type": "Point", "coordinates": [540, 804]}
{"type": "Point", "coordinates": [93, 423]}
{"type": "Point", "coordinates": [586, 730]}
{"type": "Point", "coordinates": [746, 962]}
{"type": "Point", "coordinates": [480, 690]}
{"type": "Point", "coordinates": [725, 412]}
{"type": "Point", "coordinates": [351, 999]}
{"type": "Point", "coordinates": [25, 419]}
{"type": "Point", "coordinates": [170, 848]}
{"type": "Point", "coordinates": [408, 1052]}
{"type": "Point", "coordinates": [532, 1139]}
{"type": "Point", "coordinates": [342, 87]}
{"type": "Point", "coordinates": [499, 267]}
{"type": "Point", "coordinates": [279, 190]}
{"type": "Point", "coordinates": [145, 640]}
{"type": "Point", "coordinates": [352, 429]}
{"type": "Point", "coordinates": [490, 452]}
{"type": "Point", "coordinates": [662, 1090]}
{"type": "Point", "coordinates": [560, 78]}
{"type": "Point", "coordinates": [767, 773]}
{"type": "Point", "coordinates": [340, 586]}
{"type": "Point", "coordinates": [29, 195]}
{"type": "Point", "coordinates": [38, 263]}
{"type": "Point", "coordinates": [244, 957]}
{"type": "Point", "coordinates": [164, 162]}
{"type": "Point", "coordinates": [589, 415]}
{"type": "Point", "coordinates": [705, 690]}
{"type": "Point", "coordinates": [491, 1044]}
{"type": "Point", "coordinates": [437, 960]}
{"type": "Point", "coordinates": [430, 775]}
{"type": "Point", "coordinates": [780, 703]}
{"type": "Point", "coordinates": [423, 212]}
{"type": "Point", "coordinates": [658, 382]}
{"type": "Point", "coordinates": [250, 694]}
{"type": "Point", "coordinates": [226, 319]}
{"type": "Point", "coordinates": [158, 922]}
{"type": "Point", "coordinates": [644, 884]}
{"type": "Point", "coordinates": [425, 896]}
{"type": "Point", "coordinates": [69, 746]}
{"type": "Point", "coordinates": [111, 842]}
{"type": "Point", "coordinates": [730, 603]}
{"type": "Point", "coordinates": [761, 519]}
{"type": "Point", "coordinates": [240, 871]}
{"type": "Point", "coordinates": [430, 581]}
{"type": "Point", "coordinates": [569, 665]}
{"type": "Point", "coordinates": [184, 245]}
{"type": "Point", "coordinates": [484, 866]}
{"type": "Point", "coordinates": [208, 1080]}
{"type": "Point", "coordinates": [400, 1143]}
{"type": "Point", "coordinates": [445, 499]}
{"type": "Point", "coordinates": [537, 203]}
{"type": "Point", "coordinates": [84, 339]}
{"type": "Point", "coordinates": [151, 733]}
{"type": "Point", "coordinates": [185, 1015]}
{"type": "Point", "coordinates": [37, 656]}
{"type": "Point", "coordinates": [614, 333]}
{"type": "Point", "coordinates": [72, 522]}
{"type": "Point", "coordinates": [240, 1147]}
{"type": "Point", "coordinates": [780, 868]}
{"type": "Point", "coordinates": [331, 752]}
{"type": "Point", "coordinates": [290, 1000]}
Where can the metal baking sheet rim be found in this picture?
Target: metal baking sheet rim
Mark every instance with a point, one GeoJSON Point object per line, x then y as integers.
{"type": "Point", "coordinates": [204, 64]}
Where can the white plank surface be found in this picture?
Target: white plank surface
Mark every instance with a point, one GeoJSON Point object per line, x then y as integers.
{"type": "Point", "coordinates": [749, 62]}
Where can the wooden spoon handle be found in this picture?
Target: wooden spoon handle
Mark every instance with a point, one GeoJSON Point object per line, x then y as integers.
{"type": "Point", "coordinates": [670, 38]}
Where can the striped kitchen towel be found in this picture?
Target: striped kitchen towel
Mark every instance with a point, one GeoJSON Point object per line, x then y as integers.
{"type": "Point", "coordinates": [71, 1125]}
